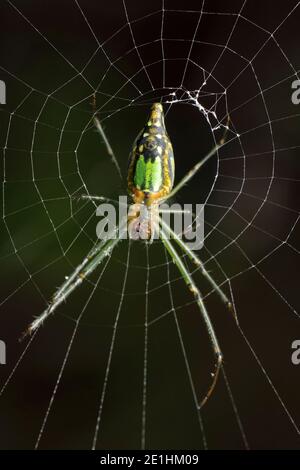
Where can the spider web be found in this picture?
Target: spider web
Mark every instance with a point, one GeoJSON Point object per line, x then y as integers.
{"type": "Point", "coordinates": [125, 362]}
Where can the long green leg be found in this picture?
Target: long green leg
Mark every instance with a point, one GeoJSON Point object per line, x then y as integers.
{"type": "Point", "coordinates": [100, 130]}
{"type": "Point", "coordinates": [194, 258]}
{"type": "Point", "coordinates": [198, 165]}
{"type": "Point", "coordinates": [91, 197]}
{"type": "Point", "coordinates": [195, 291]}
{"type": "Point", "coordinates": [83, 270]}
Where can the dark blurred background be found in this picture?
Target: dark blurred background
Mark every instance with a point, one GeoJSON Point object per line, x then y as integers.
{"type": "Point", "coordinates": [54, 57]}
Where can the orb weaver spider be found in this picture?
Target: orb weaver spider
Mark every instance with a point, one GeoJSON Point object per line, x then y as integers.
{"type": "Point", "coordinates": [150, 182]}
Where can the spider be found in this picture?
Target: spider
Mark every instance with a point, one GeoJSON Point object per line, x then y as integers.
{"type": "Point", "coordinates": [150, 181]}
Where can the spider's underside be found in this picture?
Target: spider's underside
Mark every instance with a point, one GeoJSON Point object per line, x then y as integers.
{"type": "Point", "coordinates": [150, 182]}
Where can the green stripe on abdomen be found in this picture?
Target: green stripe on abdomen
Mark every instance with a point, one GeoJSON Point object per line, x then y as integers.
{"type": "Point", "coordinates": [140, 171]}
{"type": "Point", "coordinates": [148, 175]}
{"type": "Point", "coordinates": [156, 176]}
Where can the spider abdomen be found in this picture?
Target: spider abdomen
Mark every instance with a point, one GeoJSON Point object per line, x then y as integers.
{"type": "Point", "coordinates": [151, 161]}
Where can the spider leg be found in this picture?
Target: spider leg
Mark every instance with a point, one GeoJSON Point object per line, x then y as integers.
{"type": "Point", "coordinates": [199, 165]}
{"type": "Point", "coordinates": [91, 197]}
{"type": "Point", "coordinates": [174, 211]}
{"type": "Point", "coordinates": [194, 258]}
{"type": "Point", "coordinates": [193, 288]}
{"type": "Point", "coordinates": [100, 251]}
{"type": "Point", "coordinates": [100, 130]}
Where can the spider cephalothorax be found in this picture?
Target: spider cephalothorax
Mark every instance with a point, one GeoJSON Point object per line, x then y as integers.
{"type": "Point", "coordinates": [150, 173]}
